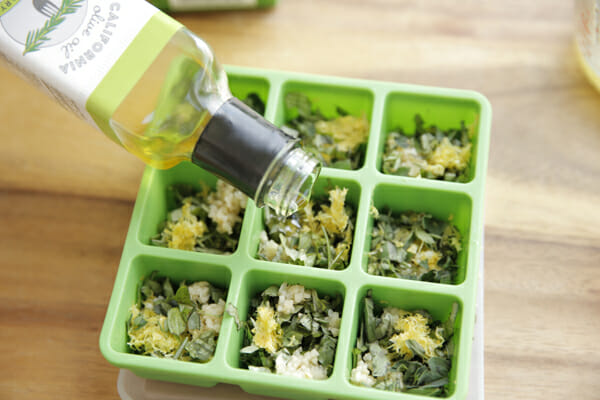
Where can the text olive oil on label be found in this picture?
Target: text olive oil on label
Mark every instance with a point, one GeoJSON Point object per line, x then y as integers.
{"type": "Point", "coordinates": [67, 47]}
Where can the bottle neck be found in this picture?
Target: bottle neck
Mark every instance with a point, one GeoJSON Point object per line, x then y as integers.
{"type": "Point", "coordinates": [287, 186]}
{"type": "Point", "coordinates": [244, 149]}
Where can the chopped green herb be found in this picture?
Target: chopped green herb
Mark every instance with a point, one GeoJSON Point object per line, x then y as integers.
{"type": "Point", "coordinates": [207, 220]}
{"type": "Point", "coordinates": [338, 142]}
{"type": "Point", "coordinates": [414, 246]}
{"type": "Point", "coordinates": [320, 235]}
{"type": "Point", "coordinates": [176, 322]}
{"type": "Point", "coordinates": [181, 324]}
{"type": "Point", "coordinates": [292, 331]}
{"type": "Point", "coordinates": [429, 153]}
{"type": "Point", "coordinates": [254, 101]}
{"type": "Point", "coordinates": [411, 354]}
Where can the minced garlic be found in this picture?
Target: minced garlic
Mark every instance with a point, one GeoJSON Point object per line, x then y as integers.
{"type": "Point", "coordinates": [224, 207]}
{"type": "Point", "coordinates": [301, 365]}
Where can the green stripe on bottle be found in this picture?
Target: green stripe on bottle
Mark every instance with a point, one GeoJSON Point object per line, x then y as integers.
{"type": "Point", "coordinates": [6, 5]}
{"type": "Point", "coordinates": [129, 68]}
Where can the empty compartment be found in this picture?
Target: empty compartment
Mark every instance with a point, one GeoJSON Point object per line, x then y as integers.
{"type": "Point", "coordinates": [429, 154]}
{"type": "Point", "coordinates": [322, 237]}
{"type": "Point", "coordinates": [405, 341]}
{"type": "Point", "coordinates": [419, 234]}
{"type": "Point", "coordinates": [332, 121]}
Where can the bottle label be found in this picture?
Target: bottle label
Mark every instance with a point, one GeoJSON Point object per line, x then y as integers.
{"type": "Point", "coordinates": [194, 5]}
{"type": "Point", "coordinates": [67, 47]}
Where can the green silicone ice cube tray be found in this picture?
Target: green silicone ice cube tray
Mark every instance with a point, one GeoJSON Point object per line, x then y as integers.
{"type": "Point", "coordinates": [387, 106]}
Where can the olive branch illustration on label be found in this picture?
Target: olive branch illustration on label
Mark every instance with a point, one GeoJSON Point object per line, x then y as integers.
{"type": "Point", "coordinates": [35, 39]}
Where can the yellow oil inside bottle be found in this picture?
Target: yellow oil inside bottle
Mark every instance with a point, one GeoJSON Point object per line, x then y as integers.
{"type": "Point", "coordinates": [158, 121]}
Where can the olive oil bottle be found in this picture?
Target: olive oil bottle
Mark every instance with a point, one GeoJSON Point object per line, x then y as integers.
{"type": "Point", "coordinates": [156, 89]}
{"type": "Point", "coordinates": [210, 5]}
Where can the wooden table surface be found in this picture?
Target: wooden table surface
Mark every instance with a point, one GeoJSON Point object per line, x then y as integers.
{"type": "Point", "coordinates": [67, 192]}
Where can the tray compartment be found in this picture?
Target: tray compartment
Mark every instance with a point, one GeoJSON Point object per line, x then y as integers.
{"type": "Point", "coordinates": [326, 98]}
{"type": "Point", "coordinates": [445, 205]}
{"type": "Point", "coordinates": [323, 185]}
{"type": "Point", "coordinates": [441, 110]}
{"type": "Point", "coordinates": [437, 304]}
{"type": "Point", "coordinates": [115, 346]}
{"type": "Point", "coordinates": [160, 199]}
{"type": "Point", "coordinates": [255, 281]}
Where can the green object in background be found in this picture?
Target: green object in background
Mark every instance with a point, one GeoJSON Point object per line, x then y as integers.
{"type": "Point", "coordinates": [244, 275]}
{"type": "Point", "coordinates": [210, 5]}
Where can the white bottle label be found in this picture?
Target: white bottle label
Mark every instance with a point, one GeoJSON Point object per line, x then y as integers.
{"type": "Point", "coordinates": [67, 47]}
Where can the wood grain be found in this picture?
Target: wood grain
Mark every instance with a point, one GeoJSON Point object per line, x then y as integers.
{"type": "Point", "coordinates": [66, 192]}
